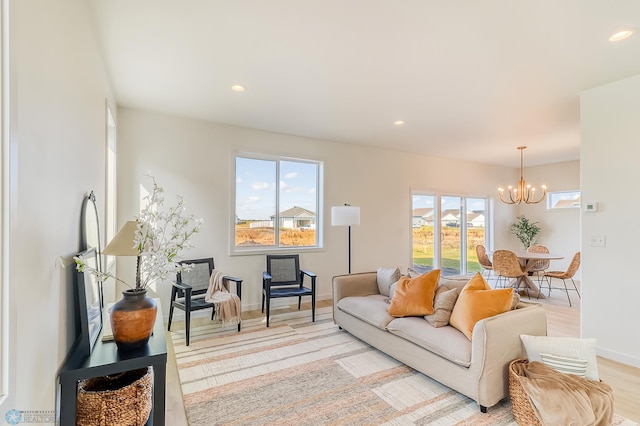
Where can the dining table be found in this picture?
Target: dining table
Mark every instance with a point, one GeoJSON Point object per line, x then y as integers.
{"type": "Point", "coordinates": [527, 261]}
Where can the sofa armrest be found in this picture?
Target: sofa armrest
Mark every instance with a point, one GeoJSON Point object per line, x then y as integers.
{"type": "Point", "coordinates": [362, 284]}
{"type": "Point", "coordinates": [496, 342]}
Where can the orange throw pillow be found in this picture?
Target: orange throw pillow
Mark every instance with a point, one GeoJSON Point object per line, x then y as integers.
{"type": "Point", "coordinates": [478, 301]}
{"type": "Point", "coordinates": [413, 297]}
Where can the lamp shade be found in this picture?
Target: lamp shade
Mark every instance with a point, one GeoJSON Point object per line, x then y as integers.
{"type": "Point", "coordinates": [122, 244]}
{"type": "Point", "coordinates": [345, 215]}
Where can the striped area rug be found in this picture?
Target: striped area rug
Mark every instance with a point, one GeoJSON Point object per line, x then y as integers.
{"type": "Point", "coordinates": [301, 373]}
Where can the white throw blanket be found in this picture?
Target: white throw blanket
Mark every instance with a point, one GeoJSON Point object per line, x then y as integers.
{"type": "Point", "coordinates": [227, 305]}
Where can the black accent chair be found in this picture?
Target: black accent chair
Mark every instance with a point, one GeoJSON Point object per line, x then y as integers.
{"type": "Point", "coordinates": [284, 278]}
{"type": "Point", "coordinates": [189, 290]}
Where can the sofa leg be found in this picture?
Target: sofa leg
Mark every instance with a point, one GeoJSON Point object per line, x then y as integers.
{"type": "Point", "coordinates": [483, 409]}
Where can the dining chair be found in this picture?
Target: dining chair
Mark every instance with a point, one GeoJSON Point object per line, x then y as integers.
{"type": "Point", "coordinates": [565, 275]}
{"type": "Point", "coordinates": [284, 278]}
{"type": "Point", "coordinates": [483, 259]}
{"type": "Point", "coordinates": [189, 290]}
{"type": "Point", "coordinates": [506, 266]}
{"type": "Point", "coordinates": [540, 265]}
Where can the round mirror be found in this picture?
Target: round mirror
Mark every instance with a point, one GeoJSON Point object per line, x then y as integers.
{"type": "Point", "coordinates": [90, 227]}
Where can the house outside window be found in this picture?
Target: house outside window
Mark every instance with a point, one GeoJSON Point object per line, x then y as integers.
{"type": "Point", "coordinates": [277, 203]}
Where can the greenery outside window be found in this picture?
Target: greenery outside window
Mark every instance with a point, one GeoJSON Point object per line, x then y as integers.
{"type": "Point", "coordinates": [277, 203]}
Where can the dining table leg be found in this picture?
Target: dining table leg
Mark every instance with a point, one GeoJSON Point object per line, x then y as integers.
{"type": "Point", "coordinates": [529, 286]}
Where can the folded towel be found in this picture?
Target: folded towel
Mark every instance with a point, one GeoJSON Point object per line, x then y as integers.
{"type": "Point", "coordinates": [227, 305]}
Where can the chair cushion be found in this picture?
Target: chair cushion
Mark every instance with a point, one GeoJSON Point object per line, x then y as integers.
{"type": "Point", "coordinates": [370, 309]}
{"type": "Point", "coordinates": [445, 341]}
{"type": "Point", "coordinates": [290, 291]}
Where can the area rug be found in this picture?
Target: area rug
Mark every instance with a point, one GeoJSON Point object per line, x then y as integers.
{"type": "Point", "coordinates": [301, 373]}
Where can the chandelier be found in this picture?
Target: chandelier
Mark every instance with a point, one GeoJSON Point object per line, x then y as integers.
{"type": "Point", "coordinates": [523, 193]}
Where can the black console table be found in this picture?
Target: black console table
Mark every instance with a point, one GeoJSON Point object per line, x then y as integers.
{"type": "Point", "coordinates": [106, 360]}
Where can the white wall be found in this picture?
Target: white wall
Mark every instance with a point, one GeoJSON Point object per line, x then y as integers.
{"type": "Point", "coordinates": [58, 92]}
{"type": "Point", "coordinates": [194, 159]}
{"type": "Point", "coordinates": [610, 148]}
{"type": "Point", "coordinates": [560, 229]}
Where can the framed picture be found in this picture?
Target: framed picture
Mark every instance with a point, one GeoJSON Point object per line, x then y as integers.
{"type": "Point", "coordinates": [89, 302]}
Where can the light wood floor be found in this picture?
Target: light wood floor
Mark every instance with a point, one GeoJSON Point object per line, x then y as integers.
{"type": "Point", "coordinates": [562, 321]}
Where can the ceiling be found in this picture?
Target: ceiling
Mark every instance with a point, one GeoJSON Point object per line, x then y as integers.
{"type": "Point", "coordinates": [471, 79]}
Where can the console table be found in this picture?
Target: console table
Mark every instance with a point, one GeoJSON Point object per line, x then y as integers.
{"type": "Point", "coordinates": [105, 359]}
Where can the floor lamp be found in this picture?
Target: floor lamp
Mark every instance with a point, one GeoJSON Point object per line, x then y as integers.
{"type": "Point", "coordinates": [346, 216]}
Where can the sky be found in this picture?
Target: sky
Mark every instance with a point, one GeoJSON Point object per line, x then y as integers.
{"type": "Point", "coordinates": [256, 187]}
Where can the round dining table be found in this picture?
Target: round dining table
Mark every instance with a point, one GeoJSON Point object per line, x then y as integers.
{"type": "Point", "coordinates": [527, 261]}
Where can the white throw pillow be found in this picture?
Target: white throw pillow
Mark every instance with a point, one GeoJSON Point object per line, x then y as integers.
{"type": "Point", "coordinates": [386, 277]}
{"type": "Point", "coordinates": [563, 364]}
{"type": "Point", "coordinates": [570, 347]}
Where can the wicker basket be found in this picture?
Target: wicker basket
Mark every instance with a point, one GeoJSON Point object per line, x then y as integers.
{"type": "Point", "coordinates": [522, 409]}
{"type": "Point", "coordinates": [120, 399]}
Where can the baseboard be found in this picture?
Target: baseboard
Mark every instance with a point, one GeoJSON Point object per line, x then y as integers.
{"type": "Point", "coordinates": [178, 315]}
{"type": "Point", "coordinates": [616, 356]}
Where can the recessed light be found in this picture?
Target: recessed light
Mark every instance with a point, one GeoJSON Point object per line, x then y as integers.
{"type": "Point", "coordinates": [621, 35]}
{"type": "Point", "coordinates": [398, 122]}
{"type": "Point", "coordinates": [238, 88]}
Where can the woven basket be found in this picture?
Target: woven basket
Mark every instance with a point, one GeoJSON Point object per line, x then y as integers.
{"type": "Point", "coordinates": [120, 399]}
{"type": "Point", "coordinates": [522, 408]}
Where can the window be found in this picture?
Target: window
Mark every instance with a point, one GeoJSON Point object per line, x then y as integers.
{"type": "Point", "coordinates": [446, 231]}
{"type": "Point", "coordinates": [5, 338]}
{"type": "Point", "coordinates": [110, 205]}
{"type": "Point", "coordinates": [563, 200]}
{"type": "Point", "coordinates": [277, 203]}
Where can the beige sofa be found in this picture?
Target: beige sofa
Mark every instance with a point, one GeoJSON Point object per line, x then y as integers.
{"type": "Point", "coordinates": [477, 368]}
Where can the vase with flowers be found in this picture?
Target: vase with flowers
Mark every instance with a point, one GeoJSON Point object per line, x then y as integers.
{"type": "Point", "coordinates": [157, 238]}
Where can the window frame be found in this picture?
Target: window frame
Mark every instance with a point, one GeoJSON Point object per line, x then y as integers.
{"type": "Point", "coordinates": [319, 199]}
{"type": "Point", "coordinates": [437, 223]}
{"type": "Point", "coordinates": [6, 338]}
{"type": "Point", "coordinates": [552, 193]}
{"type": "Point", "coordinates": [111, 186]}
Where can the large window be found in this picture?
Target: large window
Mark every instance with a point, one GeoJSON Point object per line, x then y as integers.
{"type": "Point", "coordinates": [446, 231]}
{"type": "Point", "coordinates": [277, 203]}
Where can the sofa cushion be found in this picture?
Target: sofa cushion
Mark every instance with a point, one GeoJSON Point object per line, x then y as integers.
{"type": "Point", "coordinates": [443, 305]}
{"type": "Point", "coordinates": [446, 342]}
{"type": "Point", "coordinates": [478, 301]}
{"type": "Point", "coordinates": [385, 277]}
{"type": "Point", "coordinates": [414, 296]}
{"type": "Point", "coordinates": [370, 309]}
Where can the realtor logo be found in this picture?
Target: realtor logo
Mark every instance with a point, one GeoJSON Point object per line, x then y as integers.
{"type": "Point", "coordinates": [13, 417]}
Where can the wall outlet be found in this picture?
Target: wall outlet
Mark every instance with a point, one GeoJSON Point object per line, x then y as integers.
{"type": "Point", "coordinates": [598, 241]}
